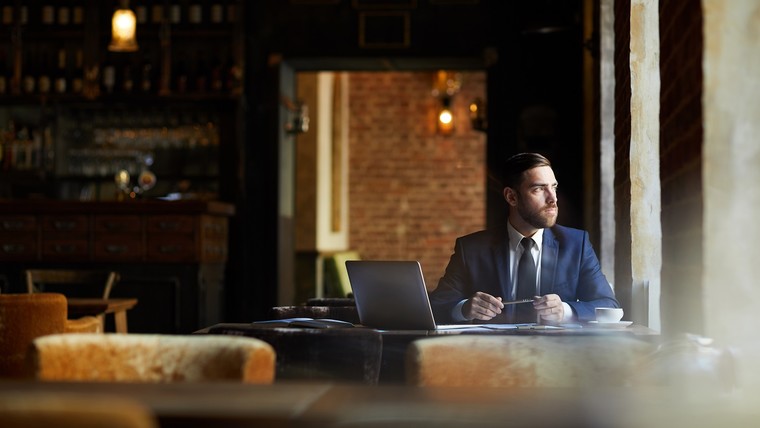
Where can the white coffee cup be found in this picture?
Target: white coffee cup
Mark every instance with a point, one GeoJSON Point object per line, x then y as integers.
{"type": "Point", "coordinates": [609, 314]}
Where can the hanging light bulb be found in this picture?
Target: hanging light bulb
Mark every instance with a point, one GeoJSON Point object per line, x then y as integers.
{"type": "Point", "coordinates": [445, 117]}
{"type": "Point", "coordinates": [123, 26]}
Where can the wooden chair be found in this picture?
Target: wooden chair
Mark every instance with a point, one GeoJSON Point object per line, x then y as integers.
{"type": "Point", "coordinates": [152, 358]}
{"type": "Point", "coordinates": [75, 283]}
{"type": "Point", "coordinates": [336, 283]}
{"type": "Point", "coordinates": [25, 317]}
{"type": "Point", "coordinates": [67, 281]}
{"type": "Point", "coordinates": [524, 361]}
{"type": "Point", "coordinates": [70, 410]}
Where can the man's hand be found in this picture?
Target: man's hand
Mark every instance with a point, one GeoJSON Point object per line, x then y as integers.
{"type": "Point", "coordinates": [549, 308]}
{"type": "Point", "coordinates": [482, 306]}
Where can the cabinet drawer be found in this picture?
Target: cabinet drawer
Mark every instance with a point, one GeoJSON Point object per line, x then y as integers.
{"type": "Point", "coordinates": [118, 248]}
{"type": "Point", "coordinates": [174, 249]}
{"type": "Point", "coordinates": [214, 251]}
{"type": "Point", "coordinates": [213, 227]}
{"type": "Point", "coordinates": [18, 248]}
{"type": "Point", "coordinates": [64, 224]}
{"type": "Point", "coordinates": [65, 249]}
{"type": "Point", "coordinates": [118, 224]}
{"type": "Point", "coordinates": [17, 223]}
{"type": "Point", "coordinates": [179, 224]}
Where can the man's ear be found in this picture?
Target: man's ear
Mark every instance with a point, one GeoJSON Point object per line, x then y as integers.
{"type": "Point", "coordinates": [510, 196]}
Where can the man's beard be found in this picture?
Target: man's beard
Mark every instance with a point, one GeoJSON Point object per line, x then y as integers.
{"type": "Point", "coordinates": [538, 219]}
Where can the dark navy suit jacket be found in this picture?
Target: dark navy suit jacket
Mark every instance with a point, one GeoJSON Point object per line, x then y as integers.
{"type": "Point", "coordinates": [569, 268]}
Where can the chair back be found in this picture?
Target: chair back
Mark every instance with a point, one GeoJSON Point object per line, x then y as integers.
{"type": "Point", "coordinates": [524, 361]}
{"type": "Point", "coordinates": [152, 358]}
{"type": "Point", "coordinates": [72, 283]}
{"type": "Point", "coordinates": [23, 318]}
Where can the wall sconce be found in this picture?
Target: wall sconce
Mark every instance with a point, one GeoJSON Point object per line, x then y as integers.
{"type": "Point", "coordinates": [445, 85]}
{"type": "Point", "coordinates": [445, 117]}
{"type": "Point", "coordinates": [478, 118]}
{"type": "Point", "coordinates": [123, 26]}
{"type": "Point", "coordinates": [298, 122]}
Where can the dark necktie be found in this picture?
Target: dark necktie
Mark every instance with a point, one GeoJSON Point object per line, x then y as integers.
{"type": "Point", "coordinates": [526, 283]}
{"type": "Point", "coordinates": [526, 272]}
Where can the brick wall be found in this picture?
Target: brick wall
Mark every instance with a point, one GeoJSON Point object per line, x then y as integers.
{"type": "Point", "coordinates": [412, 191]}
{"type": "Point", "coordinates": [681, 137]}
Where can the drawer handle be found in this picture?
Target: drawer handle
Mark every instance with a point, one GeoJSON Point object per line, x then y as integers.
{"type": "Point", "coordinates": [116, 249]}
{"type": "Point", "coordinates": [169, 249]}
{"type": "Point", "coordinates": [13, 225]}
{"type": "Point", "coordinates": [214, 227]}
{"type": "Point", "coordinates": [64, 225]}
{"type": "Point", "coordinates": [64, 249]}
{"type": "Point", "coordinates": [113, 226]}
{"type": "Point", "coordinates": [168, 225]}
{"type": "Point", "coordinates": [13, 248]}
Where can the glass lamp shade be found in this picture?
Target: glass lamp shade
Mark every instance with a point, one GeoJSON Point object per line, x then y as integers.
{"type": "Point", "coordinates": [123, 31]}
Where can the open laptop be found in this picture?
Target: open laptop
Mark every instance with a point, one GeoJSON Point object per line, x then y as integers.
{"type": "Point", "coordinates": [390, 295]}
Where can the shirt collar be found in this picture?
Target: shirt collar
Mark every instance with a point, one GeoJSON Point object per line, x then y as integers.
{"type": "Point", "coordinates": [515, 237]}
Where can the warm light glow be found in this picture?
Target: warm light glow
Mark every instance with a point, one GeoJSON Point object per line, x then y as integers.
{"type": "Point", "coordinates": [445, 117]}
{"type": "Point", "coordinates": [445, 121]}
{"type": "Point", "coordinates": [123, 31]}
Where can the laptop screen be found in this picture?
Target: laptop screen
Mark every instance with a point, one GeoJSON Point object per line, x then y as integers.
{"type": "Point", "coordinates": [390, 294]}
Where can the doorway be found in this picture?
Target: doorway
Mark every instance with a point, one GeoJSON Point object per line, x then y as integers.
{"type": "Point", "coordinates": [406, 188]}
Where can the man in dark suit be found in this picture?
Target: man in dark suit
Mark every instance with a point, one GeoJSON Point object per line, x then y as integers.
{"type": "Point", "coordinates": [559, 270]}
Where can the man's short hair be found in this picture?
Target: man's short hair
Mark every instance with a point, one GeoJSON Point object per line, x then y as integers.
{"type": "Point", "coordinates": [519, 163]}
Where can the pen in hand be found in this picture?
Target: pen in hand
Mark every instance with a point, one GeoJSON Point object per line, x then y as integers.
{"type": "Point", "coordinates": [514, 302]}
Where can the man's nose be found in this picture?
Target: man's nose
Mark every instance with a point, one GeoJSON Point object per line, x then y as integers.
{"type": "Point", "coordinates": [551, 195]}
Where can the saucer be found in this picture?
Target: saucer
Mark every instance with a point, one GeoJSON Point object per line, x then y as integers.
{"type": "Point", "coordinates": [619, 324]}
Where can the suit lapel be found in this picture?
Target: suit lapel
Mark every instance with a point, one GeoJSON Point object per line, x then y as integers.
{"type": "Point", "coordinates": [501, 260]}
{"type": "Point", "coordinates": [550, 248]}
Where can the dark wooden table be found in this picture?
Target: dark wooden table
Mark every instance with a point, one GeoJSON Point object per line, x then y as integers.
{"type": "Point", "coordinates": [354, 354]}
{"type": "Point", "coordinates": [79, 307]}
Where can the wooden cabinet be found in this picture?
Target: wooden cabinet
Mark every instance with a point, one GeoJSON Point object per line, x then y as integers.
{"type": "Point", "coordinates": [18, 237]}
{"type": "Point", "coordinates": [171, 255]}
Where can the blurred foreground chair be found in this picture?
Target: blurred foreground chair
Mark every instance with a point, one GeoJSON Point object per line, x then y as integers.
{"type": "Point", "coordinates": [152, 358]}
{"type": "Point", "coordinates": [524, 361]}
{"type": "Point", "coordinates": [69, 410]}
{"type": "Point", "coordinates": [25, 317]}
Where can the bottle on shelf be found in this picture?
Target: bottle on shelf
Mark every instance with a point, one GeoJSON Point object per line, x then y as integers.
{"type": "Point", "coordinates": [141, 14]}
{"type": "Point", "coordinates": [76, 76]}
{"type": "Point", "coordinates": [234, 77]}
{"type": "Point", "coordinates": [77, 15]}
{"type": "Point", "coordinates": [47, 16]}
{"type": "Point", "coordinates": [60, 84]}
{"type": "Point", "coordinates": [180, 77]}
{"type": "Point", "coordinates": [7, 15]}
{"type": "Point", "coordinates": [146, 75]}
{"type": "Point", "coordinates": [29, 76]}
{"type": "Point", "coordinates": [127, 79]}
{"type": "Point", "coordinates": [195, 13]}
{"type": "Point", "coordinates": [109, 76]}
{"type": "Point", "coordinates": [217, 13]}
{"type": "Point", "coordinates": [216, 83]}
{"type": "Point", "coordinates": [4, 75]}
{"type": "Point", "coordinates": [200, 84]}
{"type": "Point", "coordinates": [63, 17]}
{"type": "Point", "coordinates": [44, 78]}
